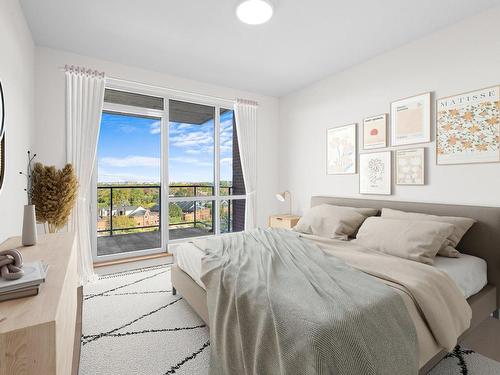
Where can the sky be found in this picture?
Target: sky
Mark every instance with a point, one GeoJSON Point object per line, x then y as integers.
{"type": "Point", "coordinates": [129, 149]}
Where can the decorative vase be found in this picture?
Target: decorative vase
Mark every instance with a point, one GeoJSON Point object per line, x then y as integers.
{"type": "Point", "coordinates": [29, 225]}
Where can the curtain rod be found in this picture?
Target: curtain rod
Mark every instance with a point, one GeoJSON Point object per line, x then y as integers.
{"type": "Point", "coordinates": [63, 68]}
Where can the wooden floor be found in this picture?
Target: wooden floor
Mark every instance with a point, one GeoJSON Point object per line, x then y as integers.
{"type": "Point", "coordinates": [124, 243]}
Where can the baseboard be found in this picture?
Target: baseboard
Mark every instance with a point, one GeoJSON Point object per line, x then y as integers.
{"type": "Point", "coordinates": [131, 259]}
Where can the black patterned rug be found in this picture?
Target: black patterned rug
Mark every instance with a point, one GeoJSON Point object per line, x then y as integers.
{"type": "Point", "coordinates": [132, 324]}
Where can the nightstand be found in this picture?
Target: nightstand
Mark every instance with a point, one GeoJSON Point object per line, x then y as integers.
{"type": "Point", "coordinates": [283, 221]}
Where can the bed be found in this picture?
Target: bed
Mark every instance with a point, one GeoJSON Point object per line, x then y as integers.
{"type": "Point", "coordinates": [476, 273]}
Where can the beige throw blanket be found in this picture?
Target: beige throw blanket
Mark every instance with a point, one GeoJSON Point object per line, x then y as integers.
{"type": "Point", "coordinates": [437, 298]}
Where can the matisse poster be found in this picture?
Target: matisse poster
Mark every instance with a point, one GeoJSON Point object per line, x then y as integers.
{"type": "Point", "coordinates": [374, 132]}
{"type": "Point", "coordinates": [410, 167]}
{"type": "Point", "coordinates": [375, 173]}
{"type": "Point", "coordinates": [411, 120]}
{"type": "Point", "coordinates": [468, 127]}
{"type": "Point", "coordinates": [341, 150]}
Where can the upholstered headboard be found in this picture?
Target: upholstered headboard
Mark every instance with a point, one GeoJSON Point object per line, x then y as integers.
{"type": "Point", "coordinates": [482, 240]}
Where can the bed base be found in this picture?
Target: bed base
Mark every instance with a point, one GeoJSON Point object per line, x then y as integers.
{"type": "Point", "coordinates": [483, 304]}
{"type": "Point", "coordinates": [194, 294]}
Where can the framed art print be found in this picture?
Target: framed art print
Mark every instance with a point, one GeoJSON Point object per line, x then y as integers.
{"type": "Point", "coordinates": [341, 150]}
{"type": "Point", "coordinates": [375, 173]}
{"type": "Point", "coordinates": [410, 167]}
{"type": "Point", "coordinates": [468, 127]}
{"type": "Point", "coordinates": [375, 132]}
{"type": "Point", "coordinates": [411, 120]}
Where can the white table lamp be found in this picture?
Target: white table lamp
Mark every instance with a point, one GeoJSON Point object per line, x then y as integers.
{"type": "Point", "coordinates": [282, 198]}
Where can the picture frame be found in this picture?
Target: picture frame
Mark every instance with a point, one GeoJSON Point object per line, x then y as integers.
{"type": "Point", "coordinates": [411, 120]}
{"type": "Point", "coordinates": [375, 132]}
{"type": "Point", "coordinates": [410, 166]}
{"type": "Point", "coordinates": [375, 173]}
{"type": "Point", "coordinates": [468, 127]}
{"type": "Point", "coordinates": [342, 144]}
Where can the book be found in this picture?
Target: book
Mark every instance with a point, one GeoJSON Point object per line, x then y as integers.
{"type": "Point", "coordinates": [20, 293]}
{"type": "Point", "coordinates": [34, 275]}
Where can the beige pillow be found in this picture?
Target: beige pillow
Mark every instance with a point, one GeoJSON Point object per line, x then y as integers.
{"type": "Point", "coordinates": [331, 221]}
{"type": "Point", "coordinates": [410, 239]}
{"type": "Point", "coordinates": [461, 226]}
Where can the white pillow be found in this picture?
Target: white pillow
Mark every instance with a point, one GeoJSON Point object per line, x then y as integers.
{"type": "Point", "coordinates": [331, 221]}
{"type": "Point", "coordinates": [461, 226]}
{"type": "Point", "coordinates": [410, 239]}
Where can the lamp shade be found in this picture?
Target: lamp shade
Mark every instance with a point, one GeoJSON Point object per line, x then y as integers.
{"type": "Point", "coordinates": [282, 196]}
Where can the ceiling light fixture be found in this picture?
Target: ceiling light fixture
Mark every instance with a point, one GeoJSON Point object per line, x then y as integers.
{"type": "Point", "coordinates": [254, 12]}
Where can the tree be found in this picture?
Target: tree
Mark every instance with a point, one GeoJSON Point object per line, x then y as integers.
{"type": "Point", "coordinates": [123, 221]}
{"type": "Point", "coordinates": [174, 211]}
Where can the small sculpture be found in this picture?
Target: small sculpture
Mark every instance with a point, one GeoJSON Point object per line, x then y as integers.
{"type": "Point", "coordinates": [11, 262]}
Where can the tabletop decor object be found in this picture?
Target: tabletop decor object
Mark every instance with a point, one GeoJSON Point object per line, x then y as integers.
{"type": "Point", "coordinates": [54, 194]}
{"type": "Point", "coordinates": [282, 198]}
{"type": "Point", "coordinates": [11, 263]}
{"type": "Point", "coordinates": [29, 236]}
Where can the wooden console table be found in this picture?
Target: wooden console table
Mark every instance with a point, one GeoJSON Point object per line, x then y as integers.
{"type": "Point", "coordinates": [38, 334]}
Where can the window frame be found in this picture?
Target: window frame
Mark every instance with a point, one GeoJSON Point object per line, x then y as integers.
{"type": "Point", "coordinates": [217, 197]}
{"type": "Point", "coordinates": [167, 95]}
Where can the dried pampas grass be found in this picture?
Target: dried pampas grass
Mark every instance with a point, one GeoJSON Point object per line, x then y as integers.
{"type": "Point", "coordinates": [54, 194]}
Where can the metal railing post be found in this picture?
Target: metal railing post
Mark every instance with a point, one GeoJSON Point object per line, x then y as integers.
{"type": "Point", "coordinates": [194, 208]}
{"type": "Point", "coordinates": [229, 221]}
{"type": "Point", "coordinates": [111, 211]}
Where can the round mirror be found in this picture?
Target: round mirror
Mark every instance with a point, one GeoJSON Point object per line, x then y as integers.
{"type": "Point", "coordinates": [2, 113]}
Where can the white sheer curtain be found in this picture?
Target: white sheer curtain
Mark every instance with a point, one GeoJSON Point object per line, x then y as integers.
{"type": "Point", "coordinates": [245, 112]}
{"type": "Point", "coordinates": [84, 100]}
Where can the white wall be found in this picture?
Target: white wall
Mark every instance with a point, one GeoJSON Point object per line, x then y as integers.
{"type": "Point", "coordinates": [17, 77]}
{"type": "Point", "coordinates": [463, 57]}
{"type": "Point", "coordinates": [50, 131]}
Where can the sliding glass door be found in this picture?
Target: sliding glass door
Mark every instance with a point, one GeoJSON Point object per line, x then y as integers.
{"type": "Point", "coordinates": [167, 170]}
{"type": "Point", "coordinates": [206, 189]}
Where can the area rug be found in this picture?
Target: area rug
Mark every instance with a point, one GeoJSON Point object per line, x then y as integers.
{"type": "Point", "coordinates": [132, 324]}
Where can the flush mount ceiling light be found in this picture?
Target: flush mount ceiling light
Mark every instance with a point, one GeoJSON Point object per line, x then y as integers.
{"type": "Point", "coordinates": [254, 12]}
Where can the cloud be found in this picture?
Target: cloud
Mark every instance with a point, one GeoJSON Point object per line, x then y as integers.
{"type": "Point", "coordinates": [190, 160]}
{"type": "Point", "coordinates": [105, 176]}
{"type": "Point", "coordinates": [228, 161]}
{"type": "Point", "coordinates": [192, 139]}
{"type": "Point", "coordinates": [130, 161]}
{"type": "Point", "coordinates": [155, 128]}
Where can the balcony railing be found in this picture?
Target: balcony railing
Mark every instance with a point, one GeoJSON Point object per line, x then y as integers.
{"type": "Point", "coordinates": [114, 213]}
{"type": "Point", "coordinates": [196, 190]}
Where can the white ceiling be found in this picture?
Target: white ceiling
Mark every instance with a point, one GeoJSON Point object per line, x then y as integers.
{"type": "Point", "coordinates": [305, 41]}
